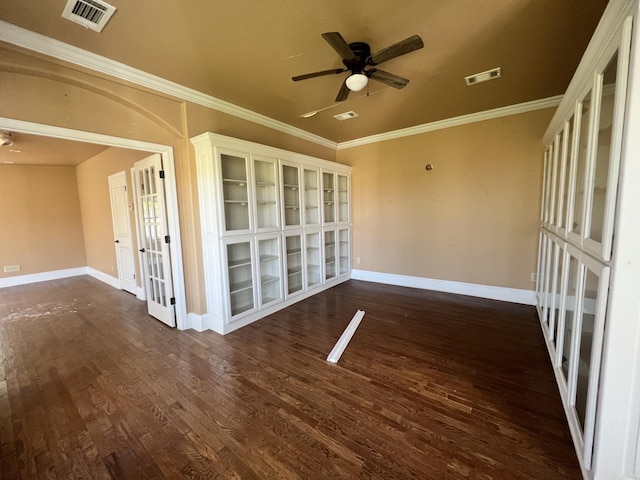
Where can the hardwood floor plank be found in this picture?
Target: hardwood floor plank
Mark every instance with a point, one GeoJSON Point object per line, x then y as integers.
{"type": "Point", "coordinates": [431, 386]}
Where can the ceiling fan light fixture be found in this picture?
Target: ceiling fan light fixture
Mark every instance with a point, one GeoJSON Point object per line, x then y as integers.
{"type": "Point", "coordinates": [357, 82]}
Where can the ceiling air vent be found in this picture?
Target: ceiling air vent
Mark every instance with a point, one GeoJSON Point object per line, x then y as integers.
{"type": "Point", "coordinates": [483, 76]}
{"type": "Point", "coordinates": [89, 13]}
{"type": "Point", "coordinates": [346, 115]}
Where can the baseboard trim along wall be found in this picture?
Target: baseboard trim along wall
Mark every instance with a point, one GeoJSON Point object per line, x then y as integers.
{"type": "Point", "coordinates": [42, 277]}
{"type": "Point", "coordinates": [105, 278]}
{"type": "Point", "coordinates": [514, 295]}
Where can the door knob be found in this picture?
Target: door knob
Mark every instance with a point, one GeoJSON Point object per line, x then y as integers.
{"type": "Point", "coordinates": [142, 250]}
{"type": "Point", "coordinates": [117, 241]}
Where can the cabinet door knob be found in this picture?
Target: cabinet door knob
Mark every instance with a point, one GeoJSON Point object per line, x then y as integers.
{"type": "Point", "coordinates": [117, 241]}
{"type": "Point", "coordinates": [142, 250]}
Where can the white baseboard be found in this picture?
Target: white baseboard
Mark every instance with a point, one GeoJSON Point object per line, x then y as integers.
{"type": "Point", "coordinates": [515, 295]}
{"type": "Point", "coordinates": [140, 294]}
{"type": "Point", "coordinates": [103, 277]}
{"type": "Point", "coordinates": [199, 323]}
{"type": "Point", "coordinates": [42, 277]}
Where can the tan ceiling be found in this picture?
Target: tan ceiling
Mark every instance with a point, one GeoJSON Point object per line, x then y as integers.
{"type": "Point", "coordinates": [246, 51]}
{"type": "Point", "coordinates": [37, 150]}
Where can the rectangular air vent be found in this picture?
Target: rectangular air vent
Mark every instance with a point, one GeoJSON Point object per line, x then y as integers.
{"type": "Point", "coordinates": [483, 76]}
{"type": "Point", "coordinates": [92, 14]}
{"type": "Point", "coordinates": [346, 116]}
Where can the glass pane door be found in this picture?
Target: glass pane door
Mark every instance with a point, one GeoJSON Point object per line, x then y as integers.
{"type": "Point", "coordinates": [293, 247]}
{"type": "Point", "coordinates": [235, 192]}
{"type": "Point", "coordinates": [343, 198]}
{"type": "Point", "coordinates": [311, 198]}
{"type": "Point", "coordinates": [566, 181]}
{"type": "Point", "coordinates": [329, 254]}
{"type": "Point", "coordinates": [314, 266]}
{"type": "Point", "coordinates": [291, 193]}
{"type": "Point", "coordinates": [240, 272]}
{"type": "Point", "coordinates": [581, 165]}
{"type": "Point", "coordinates": [602, 155]}
{"type": "Point", "coordinates": [343, 248]}
{"type": "Point", "coordinates": [270, 276]}
{"type": "Point", "coordinates": [570, 307]}
{"type": "Point", "coordinates": [265, 183]}
{"type": "Point", "coordinates": [328, 197]}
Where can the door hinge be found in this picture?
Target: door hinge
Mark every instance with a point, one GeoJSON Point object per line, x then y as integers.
{"type": "Point", "coordinates": [167, 239]}
{"type": "Point", "coordinates": [161, 173]}
{"type": "Point", "coordinates": [125, 188]}
{"type": "Point", "coordinates": [172, 301]}
{"type": "Point", "coordinates": [134, 276]}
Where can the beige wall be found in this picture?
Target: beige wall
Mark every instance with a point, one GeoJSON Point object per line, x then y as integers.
{"type": "Point", "coordinates": [473, 218]}
{"type": "Point", "coordinates": [95, 206]}
{"type": "Point", "coordinates": [40, 222]}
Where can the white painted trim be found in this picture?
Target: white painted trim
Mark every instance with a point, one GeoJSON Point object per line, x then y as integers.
{"type": "Point", "coordinates": [456, 121]}
{"type": "Point", "coordinates": [345, 338]}
{"type": "Point", "coordinates": [104, 277]}
{"type": "Point", "coordinates": [526, 297]}
{"type": "Point", "coordinates": [611, 20]}
{"type": "Point", "coordinates": [171, 192]}
{"type": "Point", "coordinates": [140, 294]}
{"type": "Point", "coordinates": [63, 51]}
{"type": "Point", "coordinates": [42, 277]}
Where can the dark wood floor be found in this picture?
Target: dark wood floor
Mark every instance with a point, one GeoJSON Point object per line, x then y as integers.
{"type": "Point", "coordinates": [432, 386]}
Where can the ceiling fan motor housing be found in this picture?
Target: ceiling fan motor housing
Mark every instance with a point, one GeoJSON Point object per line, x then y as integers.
{"type": "Point", "coordinates": [362, 52]}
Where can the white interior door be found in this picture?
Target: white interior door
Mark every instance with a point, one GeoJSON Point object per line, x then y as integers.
{"type": "Point", "coordinates": [120, 209]}
{"type": "Point", "coordinates": [155, 238]}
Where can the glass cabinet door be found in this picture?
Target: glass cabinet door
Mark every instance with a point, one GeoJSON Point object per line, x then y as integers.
{"type": "Point", "coordinates": [329, 254]}
{"type": "Point", "coordinates": [270, 270]}
{"type": "Point", "coordinates": [235, 192]}
{"type": "Point", "coordinates": [343, 198]}
{"type": "Point", "coordinates": [314, 265]}
{"type": "Point", "coordinates": [579, 185]}
{"type": "Point", "coordinates": [328, 197]}
{"type": "Point", "coordinates": [265, 174]}
{"type": "Point", "coordinates": [291, 195]}
{"type": "Point", "coordinates": [343, 249]}
{"type": "Point", "coordinates": [293, 251]}
{"type": "Point", "coordinates": [311, 197]}
{"type": "Point", "coordinates": [240, 275]}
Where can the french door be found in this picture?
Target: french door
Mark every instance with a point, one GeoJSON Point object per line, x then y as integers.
{"type": "Point", "coordinates": [155, 239]}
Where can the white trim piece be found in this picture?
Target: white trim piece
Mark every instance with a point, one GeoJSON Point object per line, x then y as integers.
{"type": "Point", "coordinates": [104, 278]}
{"type": "Point", "coordinates": [42, 277]}
{"type": "Point", "coordinates": [63, 51]}
{"type": "Point", "coordinates": [456, 121]}
{"type": "Point", "coordinates": [345, 338]}
{"type": "Point", "coordinates": [611, 20]}
{"type": "Point", "coordinates": [514, 295]}
{"type": "Point", "coordinates": [140, 293]}
{"type": "Point", "coordinates": [171, 192]}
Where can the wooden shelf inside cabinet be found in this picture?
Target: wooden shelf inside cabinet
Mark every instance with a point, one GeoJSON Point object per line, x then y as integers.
{"type": "Point", "coordinates": [294, 271]}
{"type": "Point", "coordinates": [311, 188]}
{"type": "Point", "coordinates": [328, 190]}
{"type": "Point", "coordinates": [266, 258]}
{"type": "Point", "coordinates": [239, 263]}
{"type": "Point", "coordinates": [266, 203]}
{"type": "Point", "coordinates": [313, 248]}
{"type": "Point", "coordinates": [327, 202]}
{"type": "Point", "coordinates": [240, 286]}
{"type": "Point", "coordinates": [235, 181]}
{"type": "Point", "coordinates": [330, 260]}
{"type": "Point", "coordinates": [241, 307]}
{"type": "Point", "coordinates": [292, 207]}
{"type": "Point", "coordinates": [312, 266]}
{"type": "Point", "coordinates": [266, 279]}
{"type": "Point", "coordinates": [237, 202]}
{"type": "Point", "coordinates": [330, 244]}
{"type": "Point", "coordinates": [295, 251]}
{"type": "Point", "coordinates": [265, 184]}
{"type": "Point", "coordinates": [290, 186]}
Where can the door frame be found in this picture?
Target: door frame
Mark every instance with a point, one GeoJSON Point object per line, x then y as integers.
{"type": "Point", "coordinates": [168, 161]}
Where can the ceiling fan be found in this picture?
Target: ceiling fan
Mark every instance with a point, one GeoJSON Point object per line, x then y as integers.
{"type": "Point", "coordinates": [357, 57]}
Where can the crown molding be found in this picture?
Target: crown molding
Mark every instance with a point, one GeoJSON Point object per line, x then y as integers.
{"type": "Point", "coordinates": [36, 42]}
{"type": "Point", "coordinates": [456, 121]}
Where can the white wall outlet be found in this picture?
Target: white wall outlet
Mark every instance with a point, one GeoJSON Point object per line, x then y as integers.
{"type": "Point", "coordinates": [534, 277]}
{"type": "Point", "coordinates": [11, 268]}
{"type": "Point", "coordinates": [358, 260]}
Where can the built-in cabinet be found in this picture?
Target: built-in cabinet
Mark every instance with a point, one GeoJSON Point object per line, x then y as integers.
{"type": "Point", "coordinates": [275, 226]}
{"type": "Point", "coordinates": [577, 257]}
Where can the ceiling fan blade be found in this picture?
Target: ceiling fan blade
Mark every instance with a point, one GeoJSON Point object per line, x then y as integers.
{"type": "Point", "coordinates": [339, 45]}
{"type": "Point", "coordinates": [318, 74]}
{"type": "Point", "coordinates": [402, 47]}
{"type": "Point", "coordinates": [388, 78]}
{"type": "Point", "coordinates": [344, 92]}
